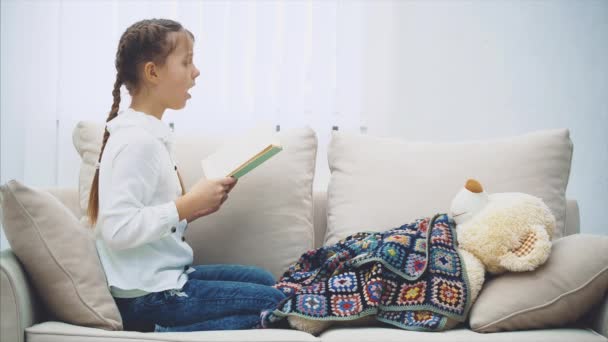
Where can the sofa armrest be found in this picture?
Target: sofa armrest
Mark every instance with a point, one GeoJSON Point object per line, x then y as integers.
{"type": "Point", "coordinates": [573, 221]}
{"type": "Point", "coordinates": [599, 319]}
{"type": "Point", "coordinates": [18, 304]}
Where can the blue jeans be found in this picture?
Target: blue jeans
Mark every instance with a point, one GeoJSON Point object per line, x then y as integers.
{"type": "Point", "coordinates": [215, 297]}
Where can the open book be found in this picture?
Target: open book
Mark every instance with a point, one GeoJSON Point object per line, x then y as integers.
{"type": "Point", "coordinates": [239, 156]}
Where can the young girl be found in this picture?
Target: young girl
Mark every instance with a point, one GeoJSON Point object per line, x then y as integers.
{"type": "Point", "coordinates": [140, 208]}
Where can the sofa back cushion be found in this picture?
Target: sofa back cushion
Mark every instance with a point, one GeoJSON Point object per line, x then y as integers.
{"type": "Point", "coordinates": [381, 183]}
{"type": "Point", "coordinates": [268, 218]}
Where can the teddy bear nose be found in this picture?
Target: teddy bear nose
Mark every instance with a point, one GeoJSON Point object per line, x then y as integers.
{"type": "Point", "coordinates": [473, 186]}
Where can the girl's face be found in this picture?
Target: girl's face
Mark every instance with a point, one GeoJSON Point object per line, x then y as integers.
{"type": "Point", "coordinates": [178, 73]}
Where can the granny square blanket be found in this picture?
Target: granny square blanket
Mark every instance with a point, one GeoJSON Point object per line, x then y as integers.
{"type": "Point", "coordinates": [410, 276]}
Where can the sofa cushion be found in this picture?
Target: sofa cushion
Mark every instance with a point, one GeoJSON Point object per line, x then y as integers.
{"type": "Point", "coordinates": [399, 335]}
{"type": "Point", "coordinates": [574, 278]}
{"type": "Point", "coordinates": [61, 332]}
{"type": "Point", "coordinates": [381, 183]}
{"type": "Point", "coordinates": [59, 256]}
{"type": "Point", "coordinates": [268, 218]}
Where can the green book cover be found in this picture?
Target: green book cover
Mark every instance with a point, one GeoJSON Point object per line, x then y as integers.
{"type": "Point", "coordinates": [257, 161]}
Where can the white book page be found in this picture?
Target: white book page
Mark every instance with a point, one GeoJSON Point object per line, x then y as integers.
{"type": "Point", "coordinates": [234, 153]}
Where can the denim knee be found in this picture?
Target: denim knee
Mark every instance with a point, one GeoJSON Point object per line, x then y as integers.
{"type": "Point", "coordinates": [277, 295]}
{"type": "Point", "coordinates": [263, 276]}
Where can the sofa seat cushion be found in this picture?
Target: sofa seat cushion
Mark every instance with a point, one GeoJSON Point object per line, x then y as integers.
{"type": "Point", "coordinates": [458, 335]}
{"type": "Point", "coordinates": [62, 332]}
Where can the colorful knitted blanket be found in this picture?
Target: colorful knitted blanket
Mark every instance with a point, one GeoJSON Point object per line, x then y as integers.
{"type": "Point", "coordinates": [411, 277]}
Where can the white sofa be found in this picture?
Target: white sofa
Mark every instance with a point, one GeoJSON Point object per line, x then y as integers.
{"type": "Point", "coordinates": [24, 318]}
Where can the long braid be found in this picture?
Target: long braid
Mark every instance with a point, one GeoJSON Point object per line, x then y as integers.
{"type": "Point", "coordinates": [113, 112]}
{"type": "Point", "coordinates": [93, 209]}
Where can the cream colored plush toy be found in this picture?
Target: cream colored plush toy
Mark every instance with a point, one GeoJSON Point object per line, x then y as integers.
{"type": "Point", "coordinates": [500, 232]}
{"type": "Point", "coordinates": [496, 233]}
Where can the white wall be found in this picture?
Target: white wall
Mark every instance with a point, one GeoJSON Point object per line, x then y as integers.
{"type": "Point", "coordinates": [463, 70]}
{"type": "Point", "coordinates": [421, 70]}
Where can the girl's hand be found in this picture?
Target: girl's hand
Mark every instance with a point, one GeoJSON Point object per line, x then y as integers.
{"type": "Point", "coordinates": [205, 197]}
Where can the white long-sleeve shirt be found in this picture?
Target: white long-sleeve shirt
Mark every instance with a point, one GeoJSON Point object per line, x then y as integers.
{"type": "Point", "coordinates": [139, 236]}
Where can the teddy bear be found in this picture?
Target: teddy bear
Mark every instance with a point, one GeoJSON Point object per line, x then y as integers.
{"type": "Point", "coordinates": [495, 233]}
{"type": "Point", "coordinates": [500, 232]}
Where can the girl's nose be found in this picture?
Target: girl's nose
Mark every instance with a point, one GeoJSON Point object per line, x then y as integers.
{"type": "Point", "coordinates": [196, 72]}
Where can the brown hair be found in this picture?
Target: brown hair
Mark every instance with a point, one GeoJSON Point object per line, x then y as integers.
{"type": "Point", "coordinates": [145, 41]}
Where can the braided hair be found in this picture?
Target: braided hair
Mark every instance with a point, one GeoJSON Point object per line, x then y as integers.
{"type": "Point", "coordinates": [145, 41]}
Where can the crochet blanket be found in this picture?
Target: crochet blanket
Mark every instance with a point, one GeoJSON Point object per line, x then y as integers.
{"type": "Point", "coordinates": [410, 276]}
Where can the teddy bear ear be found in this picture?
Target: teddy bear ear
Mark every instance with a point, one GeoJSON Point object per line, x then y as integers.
{"type": "Point", "coordinates": [532, 251]}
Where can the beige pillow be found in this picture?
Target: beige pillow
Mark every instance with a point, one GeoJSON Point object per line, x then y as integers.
{"type": "Point", "coordinates": [574, 278]}
{"type": "Point", "coordinates": [59, 256]}
{"type": "Point", "coordinates": [268, 219]}
{"type": "Point", "coordinates": [381, 183]}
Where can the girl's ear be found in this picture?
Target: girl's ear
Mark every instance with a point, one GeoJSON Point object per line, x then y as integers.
{"type": "Point", "coordinates": [151, 72]}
